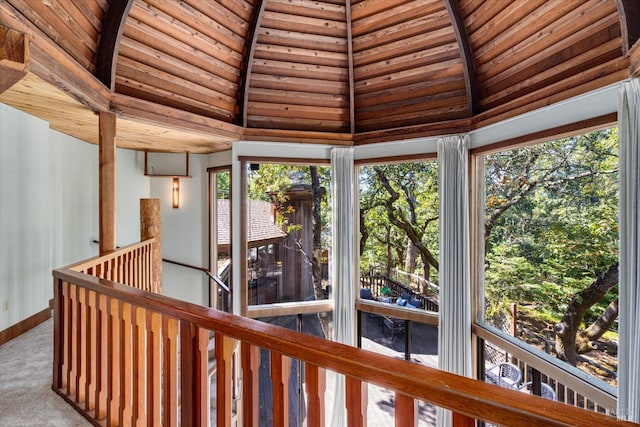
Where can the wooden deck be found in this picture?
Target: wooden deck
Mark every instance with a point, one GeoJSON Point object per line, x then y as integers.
{"type": "Point", "coordinates": [375, 338]}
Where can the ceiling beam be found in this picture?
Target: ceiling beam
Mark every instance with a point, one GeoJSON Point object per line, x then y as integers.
{"type": "Point", "coordinates": [629, 13]}
{"type": "Point", "coordinates": [14, 57]}
{"type": "Point", "coordinates": [465, 54]}
{"type": "Point", "coordinates": [352, 97]}
{"type": "Point", "coordinates": [109, 45]}
{"type": "Point", "coordinates": [250, 47]}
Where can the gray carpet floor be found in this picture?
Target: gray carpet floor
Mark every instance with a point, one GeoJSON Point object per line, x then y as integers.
{"type": "Point", "coordinates": [26, 398]}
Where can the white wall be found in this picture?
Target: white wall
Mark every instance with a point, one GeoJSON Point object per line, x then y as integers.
{"type": "Point", "coordinates": [49, 208]}
{"type": "Point", "coordinates": [185, 232]}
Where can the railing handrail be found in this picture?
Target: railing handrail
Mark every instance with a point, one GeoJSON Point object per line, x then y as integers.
{"type": "Point", "coordinates": [459, 394]}
{"type": "Point", "coordinates": [209, 274]}
{"type": "Point", "coordinates": [597, 391]}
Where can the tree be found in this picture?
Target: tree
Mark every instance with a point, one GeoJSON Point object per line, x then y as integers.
{"type": "Point", "coordinates": [399, 211]}
{"type": "Point", "coordinates": [570, 339]}
{"type": "Point", "coordinates": [551, 227]}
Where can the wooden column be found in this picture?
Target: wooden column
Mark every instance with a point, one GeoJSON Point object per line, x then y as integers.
{"type": "Point", "coordinates": [107, 182]}
{"type": "Point", "coordinates": [150, 227]}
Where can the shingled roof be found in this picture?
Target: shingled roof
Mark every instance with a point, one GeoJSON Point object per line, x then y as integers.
{"type": "Point", "coordinates": [262, 228]}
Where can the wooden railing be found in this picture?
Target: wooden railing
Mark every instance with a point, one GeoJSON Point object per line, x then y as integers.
{"type": "Point", "coordinates": [130, 265]}
{"type": "Point", "coordinates": [123, 356]}
{"type": "Point", "coordinates": [571, 386]}
{"type": "Point", "coordinates": [377, 282]}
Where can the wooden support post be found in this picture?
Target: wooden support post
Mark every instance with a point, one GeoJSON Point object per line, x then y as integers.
{"type": "Point", "coordinates": [151, 227]}
{"type": "Point", "coordinates": [107, 182]}
{"type": "Point", "coordinates": [14, 57]}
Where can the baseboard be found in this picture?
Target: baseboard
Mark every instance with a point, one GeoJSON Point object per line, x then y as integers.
{"type": "Point", "coordinates": [22, 327]}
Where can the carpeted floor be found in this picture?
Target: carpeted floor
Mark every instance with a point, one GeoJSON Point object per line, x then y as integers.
{"type": "Point", "coordinates": [26, 398]}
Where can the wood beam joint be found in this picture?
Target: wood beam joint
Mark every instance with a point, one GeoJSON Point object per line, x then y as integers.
{"type": "Point", "coordinates": [629, 13]}
{"type": "Point", "coordinates": [109, 44]}
{"type": "Point", "coordinates": [466, 55]}
{"type": "Point", "coordinates": [14, 57]}
{"type": "Point", "coordinates": [247, 62]}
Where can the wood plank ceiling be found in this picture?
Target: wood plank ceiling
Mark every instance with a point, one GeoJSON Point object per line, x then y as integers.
{"type": "Point", "coordinates": [339, 71]}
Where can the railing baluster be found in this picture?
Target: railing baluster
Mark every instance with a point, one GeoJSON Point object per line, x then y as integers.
{"type": "Point", "coordinates": [154, 360]}
{"type": "Point", "coordinates": [170, 371]}
{"type": "Point", "coordinates": [193, 375]}
{"type": "Point", "coordinates": [139, 366]}
{"type": "Point", "coordinates": [315, 385]}
{"type": "Point", "coordinates": [356, 401]}
{"type": "Point", "coordinates": [83, 350]}
{"type": "Point", "coordinates": [91, 345]}
{"type": "Point", "coordinates": [102, 356]}
{"type": "Point", "coordinates": [58, 333]}
{"type": "Point", "coordinates": [406, 410]}
{"type": "Point", "coordinates": [250, 380]}
{"type": "Point", "coordinates": [280, 372]}
{"type": "Point", "coordinates": [126, 365]}
{"type": "Point", "coordinates": [459, 420]}
{"type": "Point", "coordinates": [224, 378]}
{"type": "Point", "coordinates": [113, 387]}
{"type": "Point", "coordinates": [74, 352]}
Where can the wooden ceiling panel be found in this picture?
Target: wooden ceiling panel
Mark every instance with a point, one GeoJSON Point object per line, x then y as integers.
{"type": "Point", "coordinates": [268, 36]}
{"type": "Point", "coordinates": [502, 22]}
{"type": "Point", "coordinates": [165, 81]}
{"type": "Point", "coordinates": [303, 24]}
{"type": "Point", "coordinates": [143, 54]}
{"type": "Point", "coordinates": [58, 20]}
{"type": "Point", "coordinates": [597, 44]}
{"type": "Point", "coordinates": [299, 73]}
{"type": "Point", "coordinates": [303, 56]}
{"type": "Point", "coordinates": [301, 69]}
{"type": "Point", "coordinates": [547, 39]}
{"type": "Point", "coordinates": [221, 39]}
{"type": "Point", "coordinates": [400, 63]}
{"type": "Point", "coordinates": [292, 97]}
{"type": "Point", "coordinates": [397, 15]}
{"type": "Point", "coordinates": [430, 72]}
{"type": "Point", "coordinates": [142, 90]}
{"type": "Point", "coordinates": [319, 10]}
{"type": "Point", "coordinates": [442, 37]}
{"type": "Point", "coordinates": [415, 27]}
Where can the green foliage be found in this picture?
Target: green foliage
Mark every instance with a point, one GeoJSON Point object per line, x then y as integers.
{"type": "Point", "coordinates": [552, 221]}
{"type": "Point", "coordinates": [416, 204]}
{"type": "Point", "coordinates": [270, 182]}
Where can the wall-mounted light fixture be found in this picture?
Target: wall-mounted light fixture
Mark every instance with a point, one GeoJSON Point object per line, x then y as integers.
{"type": "Point", "coordinates": [175, 193]}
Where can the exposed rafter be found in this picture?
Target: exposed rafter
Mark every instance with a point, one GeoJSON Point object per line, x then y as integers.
{"type": "Point", "coordinates": [465, 54]}
{"type": "Point", "coordinates": [250, 48]}
{"type": "Point", "coordinates": [629, 11]}
{"type": "Point", "coordinates": [109, 45]}
{"type": "Point", "coordinates": [352, 98]}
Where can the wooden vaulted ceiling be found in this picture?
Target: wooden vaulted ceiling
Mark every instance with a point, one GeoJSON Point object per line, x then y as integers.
{"type": "Point", "coordinates": [196, 75]}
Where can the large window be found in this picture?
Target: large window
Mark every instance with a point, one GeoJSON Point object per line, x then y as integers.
{"type": "Point", "coordinates": [551, 249]}
{"type": "Point", "coordinates": [399, 231]}
{"type": "Point", "coordinates": [288, 219]}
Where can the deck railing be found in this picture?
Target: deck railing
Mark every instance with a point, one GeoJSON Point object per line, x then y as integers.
{"type": "Point", "coordinates": [377, 282]}
{"type": "Point", "coordinates": [124, 356]}
{"type": "Point", "coordinates": [570, 387]}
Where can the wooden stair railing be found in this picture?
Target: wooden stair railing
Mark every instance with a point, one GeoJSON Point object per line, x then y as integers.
{"type": "Point", "coordinates": [118, 351]}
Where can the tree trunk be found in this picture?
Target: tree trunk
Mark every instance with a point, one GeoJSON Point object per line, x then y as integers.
{"type": "Point", "coordinates": [410, 259]}
{"type": "Point", "coordinates": [567, 330]}
{"type": "Point", "coordinates": [585, 341]}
